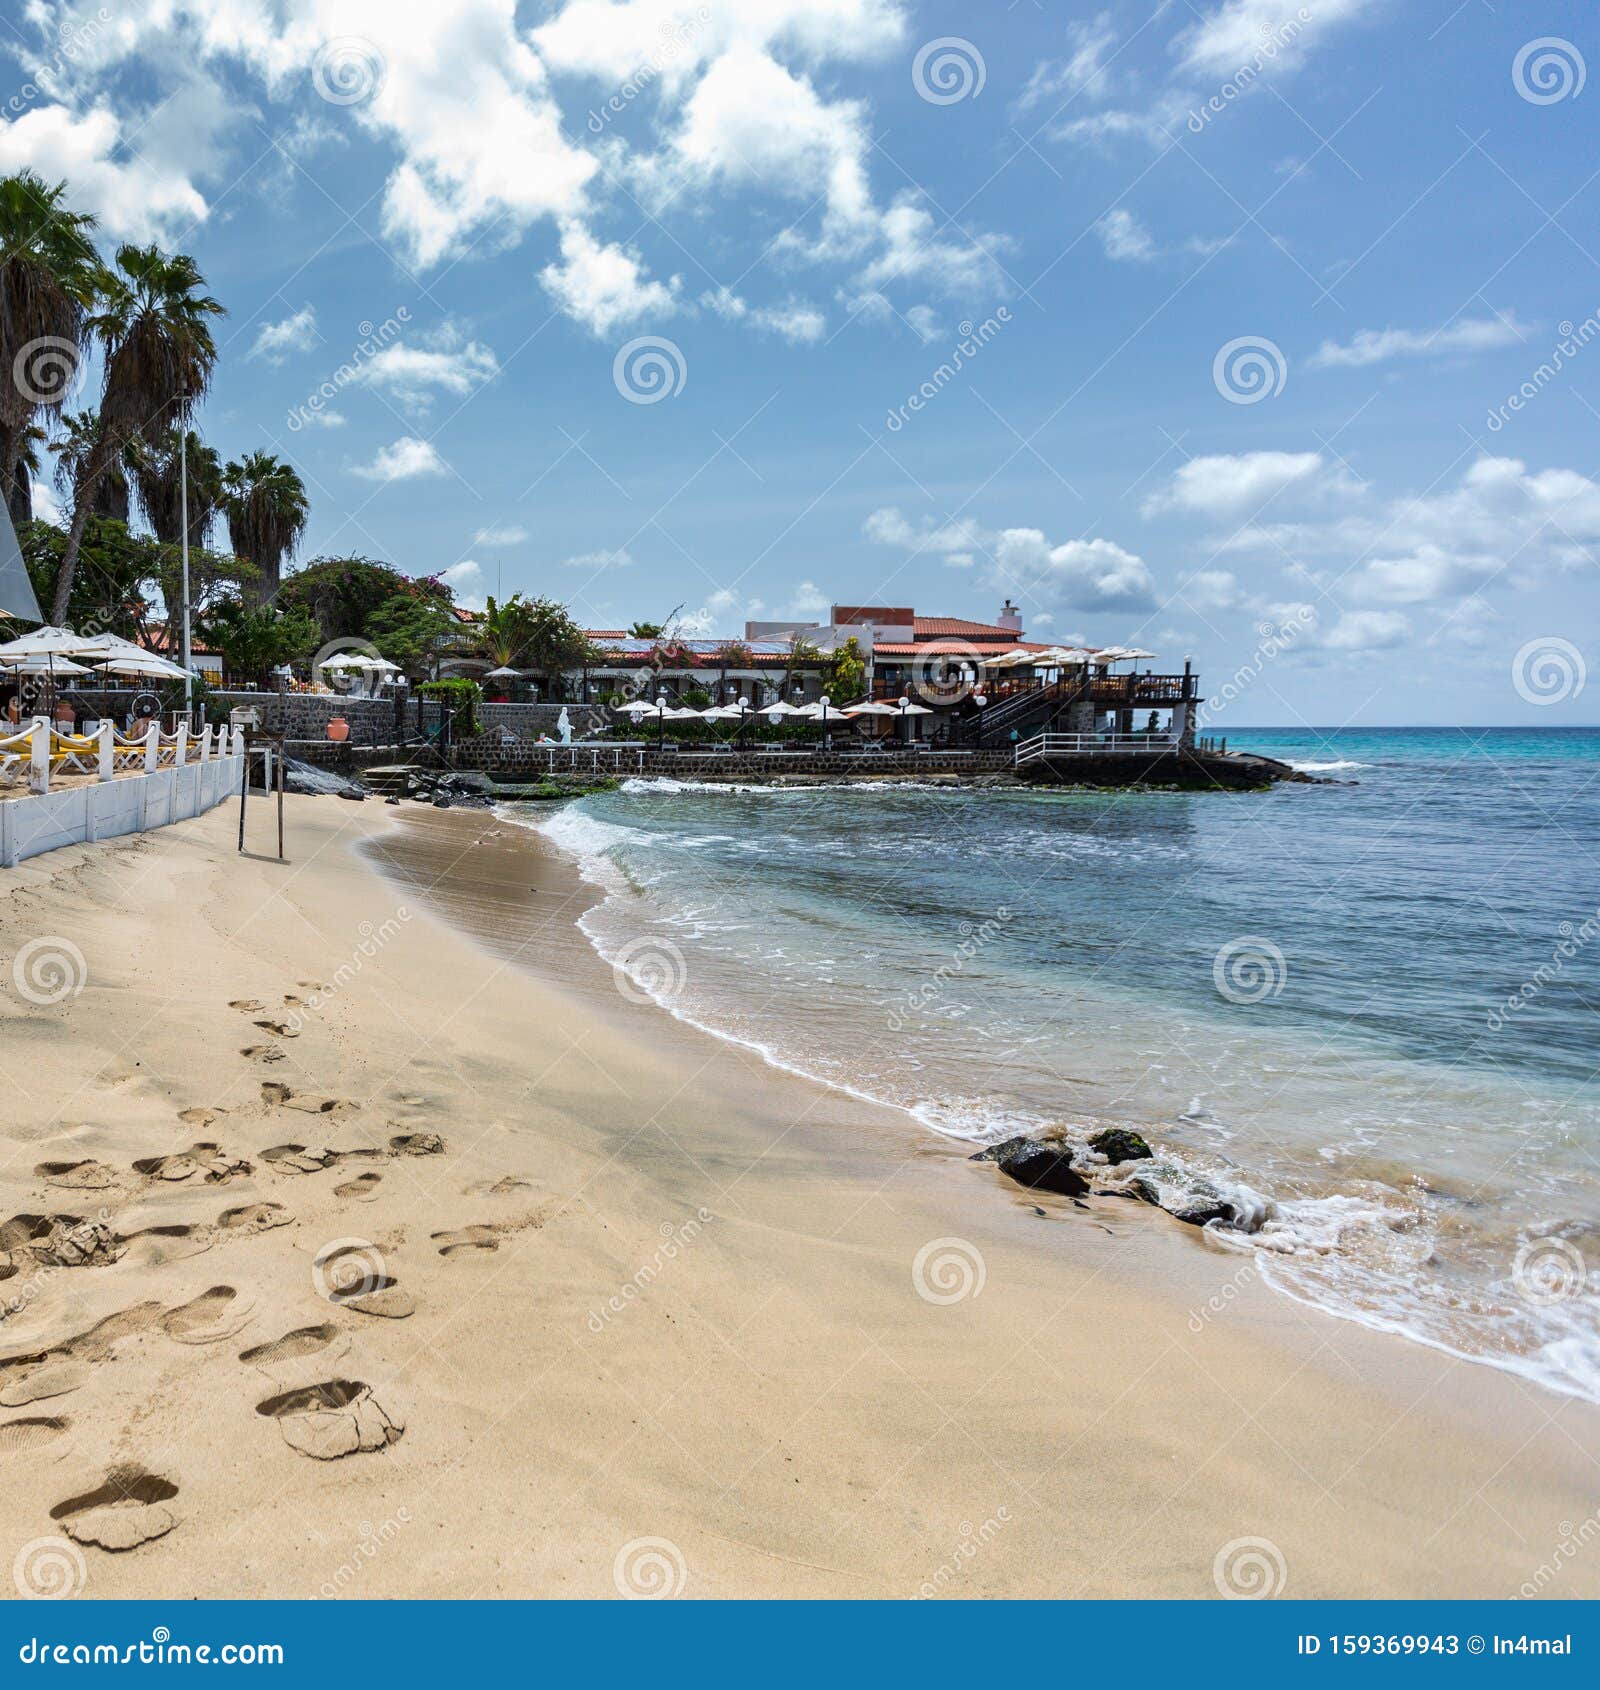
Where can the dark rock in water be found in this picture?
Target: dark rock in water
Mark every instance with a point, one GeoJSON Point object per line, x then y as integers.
{"type": "Point", "coordinates": [391, 800]}
{"type": "Point", "coordinates": [442, 802]}
{"type": "Point", "coordinates": [992, 1153]}
{"type": "Point", "coordinates": [1194, 1204]}
{"type": "Point", "coordinates": [1045, 1167]}
{"type": "Point", "coordinates": [1121, 1144]}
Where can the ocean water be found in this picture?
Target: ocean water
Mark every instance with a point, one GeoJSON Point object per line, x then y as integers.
{"type": "Point", "coordinates": [1370, 1011]}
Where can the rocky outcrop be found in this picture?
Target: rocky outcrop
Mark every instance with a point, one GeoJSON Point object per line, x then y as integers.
{"type": "Point", "coordinates": [1042, 1166]}
{"type": "Point", "coordinates": [1120, 1144]}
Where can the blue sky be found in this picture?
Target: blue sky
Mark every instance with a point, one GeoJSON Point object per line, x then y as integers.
{"type": "Point", "coordinates": [474, 209]}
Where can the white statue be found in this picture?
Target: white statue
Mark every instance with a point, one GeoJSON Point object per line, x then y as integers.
{"type": "Point", "coordinates": [564, 726]}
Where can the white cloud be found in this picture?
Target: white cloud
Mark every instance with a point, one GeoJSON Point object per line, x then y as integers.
{"type": "Point", "coordinates": [1077, 574]}
{"type": "Point", "coordinates": [1265, 33]}
{"type": "Point", "coordinates": [510, 534]}
{"type": "Point", "coordinates": [808, 600]}
{"type": "Point", "coordinates": [1222, 485]}
{"type": "Point", "coordinates": [1125, 237]}
{"type": "Point", "coordinates": [595, 561]}
{"type": "Point", "coordinates": [602, 286]}
{"type": "Point", "coordinates": [924, 322]}
{"type": "Point", "coordinates": [442, 361]}
{"type": "Point", "coordinates": [1376, 346]}
{"type": "Point", "coordinates": [297, 333]}
{"type": "Point", "coordinates": [401, 461]}
{"type": "Point", "coordinates": [465, 580]}
{"type": "Point", "coordinates": [324, 417]}
{"type": "Point", "coordinates": [795, 322]}
{"type": "Point", "coordinates": [136, 197]}
{"type": "Point", "coordinates": [1085, 69]}
{"type": "Point", "coordinates": [1211, 589]}
{"type": "Point", "coordinates": [1367, 630]}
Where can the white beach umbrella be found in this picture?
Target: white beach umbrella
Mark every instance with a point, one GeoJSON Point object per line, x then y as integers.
{"type": "Point", "coordinates": [876, 708]}
{"type": "Point", "coordinates": [780, 708]}
{"type": "Point", "coordinates": [346, 660]}
{"type": "Point", "coordinates": [1010, 659]}
{"type": "Point", "coordinates": [45, 642]}
{"type": "Point", "coordinates": [907, 708]}
{"type": "Point", "coordinates": [46, 665]}
{"type": "Point", "coordinates": [721, 713]}
{"type": "Point", "coordinates": [503, 673]}
{"type": "Point", "coordinates": [146, 665]}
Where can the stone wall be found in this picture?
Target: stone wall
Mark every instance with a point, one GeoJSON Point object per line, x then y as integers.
{"type": "Point", "coordinates": [527, 762]}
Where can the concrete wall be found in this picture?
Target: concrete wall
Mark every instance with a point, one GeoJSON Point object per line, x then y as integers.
{"type": "Point", "coordinates": [107, 809]}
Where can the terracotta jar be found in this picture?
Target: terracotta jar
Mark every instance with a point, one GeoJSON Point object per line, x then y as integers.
{"type": "Point", "coordinates": [338, 729]}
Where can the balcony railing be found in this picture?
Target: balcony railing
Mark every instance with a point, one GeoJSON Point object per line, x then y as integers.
{"type": "Point", "coordinates": [1044, 746]}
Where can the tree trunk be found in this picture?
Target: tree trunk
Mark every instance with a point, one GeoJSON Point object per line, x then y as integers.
{"type": "Point", "coordinates": [81, 510]}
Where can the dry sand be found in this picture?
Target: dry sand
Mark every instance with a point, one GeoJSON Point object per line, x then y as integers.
{"type": "Point", "coordinates": [648, 1315]}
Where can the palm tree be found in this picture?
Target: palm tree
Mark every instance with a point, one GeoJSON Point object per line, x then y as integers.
{"type": "Point", "coordinates": [158, 478]}
{"type": "Point", "coordinates": [20, 502]}
{"type": "Point", "coordinates": [502, 632]}
{"type": "Point", "coordinates": [48, 270]}
{"type": "Point", "coordinates": [267, 508]}
{"type": "Point", "coordinates": [153, 324]}
{"type": "Point", "coordinates": [74, 451]}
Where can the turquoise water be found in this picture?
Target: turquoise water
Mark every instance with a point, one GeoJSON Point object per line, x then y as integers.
{"type": "Point", "coordinates": [1369, 1008]}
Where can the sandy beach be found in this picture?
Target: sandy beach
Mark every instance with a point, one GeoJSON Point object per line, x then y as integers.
{"type": "Point", "coordinates": [365, 1240]}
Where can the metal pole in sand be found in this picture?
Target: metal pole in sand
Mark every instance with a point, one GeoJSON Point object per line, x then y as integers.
{"type": "Point", "coordinates": [244, 791]}
{"type": "Point", "coordinates": [281, 760]}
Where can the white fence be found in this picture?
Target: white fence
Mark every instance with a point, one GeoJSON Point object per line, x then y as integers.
{"type": "Point", "coordinates": [140, 783]}
{"type": "Point", "coordinates": [1091, 745]}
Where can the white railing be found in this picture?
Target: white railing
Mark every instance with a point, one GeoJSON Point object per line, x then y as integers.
{"type": "Point", "coordinates": [134, 785]}
{"type": "Point", "coordinates": [106, 753]}
{"type": "Point", "coordinates": [1089, 745]}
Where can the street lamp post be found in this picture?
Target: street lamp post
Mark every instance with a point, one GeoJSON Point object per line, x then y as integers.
{"type": "Point", "coordinates": [188, 671]}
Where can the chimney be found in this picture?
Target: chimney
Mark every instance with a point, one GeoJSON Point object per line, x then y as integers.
{"type": "Point", "coordinates": [1011, 619]}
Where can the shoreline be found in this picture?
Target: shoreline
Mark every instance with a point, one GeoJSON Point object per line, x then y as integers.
{"type": "Point", "coordinates": [776, 1398]}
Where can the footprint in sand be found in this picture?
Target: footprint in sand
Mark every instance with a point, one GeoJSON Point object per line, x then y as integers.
{"type": "Point", "coordinates": [327, 1343]}
{"type": "Point", "coordinates": [60, 1240]}
{"type": "Point", "coordinates": [36, 1375]}
{"type": "Point", "coordinates": [336, 1418]}
{"type": "Point", "coordinates": [53, 1377]}
{"type": "Point", "coordinates": [467, 1238]}
{"type": "Point", "coordinates": [501, 1187]}
{"type": "Point", "coordinates": [248, 1005]}
{"type": "Point", "coordinates": [254, 1217]}
{"type": "Point", "coordinates": [350, 1275]}
{"type": "Point", "coordinates": [205, 1159]}
{"type": "Point", "coordinates": [281, 1028]}
{"type": "Point", "coordinates": [76, 1176]}
{"type": "Point", "coordinates": [27, 1437]}
{"type": "Point", "coordinates": [263, 1053]}
{"type": "Point", "coordinates": [155, 1246]}
{"type": "Point", "coordinates": [363, 1186]}
{"type": "Point", "coordinates": [130, 1508]}
{"type": "Point", "coordinates": [207, 1319]}
{"type": "Point", "coordinates": [417, 1144]}
{"type": "Point", "coordinates": [296, 1159]}
{"type": "Point", "coordinates": [199, 1116]}
{"type": "Point", "coordinates": [275, 1092]}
